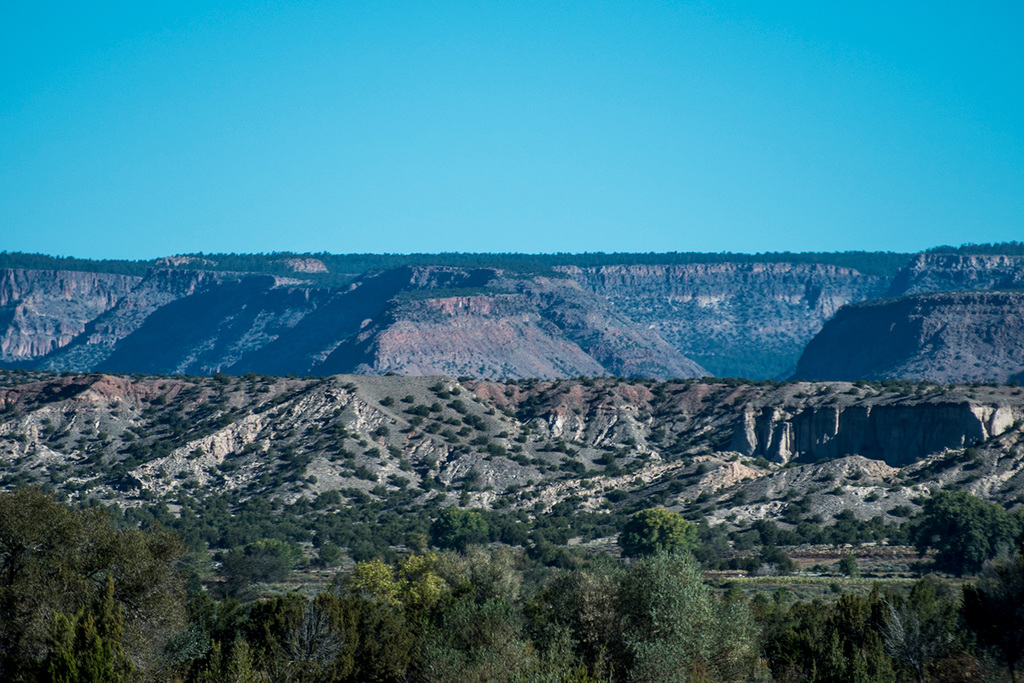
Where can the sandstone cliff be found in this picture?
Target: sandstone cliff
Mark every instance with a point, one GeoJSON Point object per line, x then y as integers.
{"type": "Point", "coordinates": [186, 321]}
{"type": "Point", "coordinates": [412, 320]}
{"type": "Point", "coordinates": [942, 337]}
{"type": "Point", "coordinates": [508, 328]}
{"type": "Point", "coordinates": [891, 431]}
{"type": "Point", "coordinates": [738, 318]}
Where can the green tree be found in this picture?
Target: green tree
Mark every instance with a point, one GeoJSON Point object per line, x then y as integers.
{"type": "Point", "coordinates": [584, 605]}
{"type": "Point", "coordinates": [87, 648]}
{"type": "Point", "coordinates": [657, 530]}
{"type": "Point", "coordinates": [55, 559]}
{"type": "Point", "coordinates": [673, 627]}
{"type": "Point", "coordinates": [964, 529]}
{"type": "Point", "coordinates": [818, 643]}
{"type": "Point", "coordinates": [847, 566]}
{"type": "Point", "coordinates": [457, 529]}
{"type": "Point", "coordinates": [919, 629]}
{"type": "Point", "coordinates": [993, 608]}
{"type": "Point", "coordinates": [268, 560]}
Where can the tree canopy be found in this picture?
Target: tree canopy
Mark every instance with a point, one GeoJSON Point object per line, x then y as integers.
{"type": "Point", "coordinates": [657, 530]}
{"type": "Point", "coordinates": [964, 529]}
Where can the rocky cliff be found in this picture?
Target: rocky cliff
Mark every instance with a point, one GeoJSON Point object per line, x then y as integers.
{"type": "Point", "coordinates": [942, 337]}
{"type": "Point", "coordinates": [735, 319]}
{"type": "Point", "coordinates": [738, 318]}
{"type": "Point", "coordinates": [186, 321]}
{"type": "Point", "coordinates": [891, 431]}
{"type": "Point", "coordinates": [510, 327]}
{"type": "Point", "coordinates": [42, 311]}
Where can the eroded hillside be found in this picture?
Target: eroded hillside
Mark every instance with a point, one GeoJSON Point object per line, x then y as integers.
{"type": "Point", "coordinates": [743, 450]}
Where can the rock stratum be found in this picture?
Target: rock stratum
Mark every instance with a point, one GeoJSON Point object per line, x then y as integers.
{"type": "Point", "coordinates": [735, 319]}
{"type": "Point", "coordinates": [412, 320]}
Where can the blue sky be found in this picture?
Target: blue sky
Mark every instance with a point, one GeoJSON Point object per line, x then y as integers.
{"type": "Point", "coordinates": [138, 130]}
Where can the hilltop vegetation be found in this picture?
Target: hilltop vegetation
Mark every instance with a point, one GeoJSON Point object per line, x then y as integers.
{"type": "Point", "coordinates": [341, 266]}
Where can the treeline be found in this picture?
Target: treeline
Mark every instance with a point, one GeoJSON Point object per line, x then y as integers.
{"type": "Point", "coordinates": [82, 599]}
{"type": "Point", "coordinates": [1012, 248]}
{"type": "Point", "coordinates": [343, 267]}
{"type": "Point", "coordinates": [45, 262]}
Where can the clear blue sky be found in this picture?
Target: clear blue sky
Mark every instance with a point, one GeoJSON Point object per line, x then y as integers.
{"type": "Point", "coordinates": [141, 129]}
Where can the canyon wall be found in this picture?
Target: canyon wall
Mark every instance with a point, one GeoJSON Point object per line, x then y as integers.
{"type": "Point", "coordinates": [735, 319]}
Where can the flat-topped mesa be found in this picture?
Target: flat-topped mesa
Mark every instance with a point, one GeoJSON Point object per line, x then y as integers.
{"type": "Point", "coordinates": [966, 336]}
{"type": "Point", "coordinates": [896, 434]}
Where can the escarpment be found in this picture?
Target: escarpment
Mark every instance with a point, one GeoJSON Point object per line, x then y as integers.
{"type": "Point", "coordinates": [411, 320]}
{"type": "Point", "coordinates": [511, 328]}
{"type": "Point", "coordinates": [42, 311]}
{"type": "Point", "coordinates": [541, 316]}
{"type": "Point", "coordinates": [964, 336]}
{"type": "Point", "coordinates": [897, 434]}
{"type": "Point", "coordinates": [954, 272]}
{"type": "Point", "coordinates": [600, 441]}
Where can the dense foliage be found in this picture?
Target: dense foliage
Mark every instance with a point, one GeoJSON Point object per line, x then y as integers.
{"type": "Point", "coordinates": [965, 530]}
{"type": "Point", "coordinates": [657, 530]}
{"type": "Point", "coordinates": [86, 599]}
{"type": "Point", "coordinates": [1012, 248]}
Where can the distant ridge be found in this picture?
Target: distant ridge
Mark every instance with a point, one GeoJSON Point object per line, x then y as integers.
{"type": "Point", "coordinates": [867, 262]}
{"type": "Point", "coordinates": [495, 316]}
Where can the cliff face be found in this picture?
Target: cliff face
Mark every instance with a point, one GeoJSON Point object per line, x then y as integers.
{"type": "Point", "coordinates": [479, 336]}
{"type": "Point", "coordinates": [942, 337]}
{"type": "Point", "coordinates": [954, 272]}
{"type": "Point", "coordinates": [660, 321]}
{"type": "Point", "coordinates": [735, 319]}
{"type": "Point", "coordinates": [44, 310]}
{"type": "Point", "coordinates": [897, 434]}
{"type": "Point", "coordinates": [186, 321]}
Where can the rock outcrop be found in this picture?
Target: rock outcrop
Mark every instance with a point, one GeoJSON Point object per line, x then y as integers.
{"type": "Point", "coordinates": [742, 318]}
{"type": "Point", "coordinates": [517, 445]}
{"type": "Point", "coordinates": [896, 433]}
{"type": "Point", "coordinates": [412, 320]}
{"type": "Point", "coordinates": [942, 337]}
{"type": "Point", "coordinates": [508, 328]}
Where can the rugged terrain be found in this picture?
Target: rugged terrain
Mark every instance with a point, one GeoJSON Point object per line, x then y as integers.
{"type": "Point", "coordinates": [737, 450]}
{"type": "Point", "coordinates": [423, 320]}
{"type": "Point", "coordinates": [936, 272]}
{"type": "Point", "coordinates": [943, 337]}
{"type": "Point", "coordinates": [497, 316]}
{"type": "Point", "coordinates": [44, 310]}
